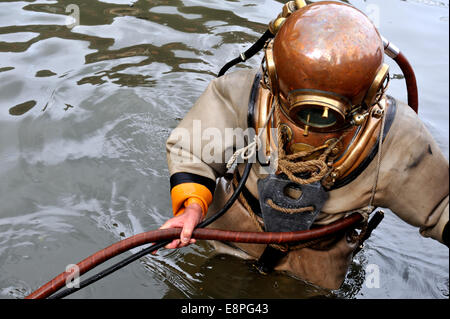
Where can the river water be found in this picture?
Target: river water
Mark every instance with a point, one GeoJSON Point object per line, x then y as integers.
{"type": "Point", "coordinates": [84, 114]}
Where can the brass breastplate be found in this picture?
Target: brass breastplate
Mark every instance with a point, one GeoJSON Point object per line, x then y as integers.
{"type": "Point", "coordinates": [357, 144]}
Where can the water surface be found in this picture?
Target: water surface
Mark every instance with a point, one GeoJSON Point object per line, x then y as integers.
{"type": "Point", "coordinates": [84, 115]}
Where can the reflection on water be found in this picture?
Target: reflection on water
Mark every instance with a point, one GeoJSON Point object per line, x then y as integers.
{"type": "Point", "coordinates": [22, 108]}
{"type": "Point", "coordinates": [85, 112]}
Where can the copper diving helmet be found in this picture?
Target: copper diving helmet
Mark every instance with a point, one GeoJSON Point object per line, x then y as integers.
{"type": "Point", "coordinates": [325, 64]}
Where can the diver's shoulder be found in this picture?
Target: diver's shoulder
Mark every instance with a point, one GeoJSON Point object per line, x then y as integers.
{"type": "Point", "coordinates": [407, 127]}
{"type": "Point", "coordinates": [238, 76]}
{"type": "Point", "coordinates": [235, 85]}
{"type": "Point", "coordinates": [401, 107]}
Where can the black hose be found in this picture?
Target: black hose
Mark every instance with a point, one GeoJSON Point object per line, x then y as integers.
{"type": "Point", "coordinates": [146, 251]}
{"type": "Point", "coordinates": [255, 48]}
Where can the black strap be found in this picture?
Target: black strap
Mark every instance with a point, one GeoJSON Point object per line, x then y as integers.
{"type": "Point", "coordinates": [268, 260]}
{"type": "Point", "coordinates": [251, 200]}
{"type": "Point", "coordinates": [180, 178]}
{"type": "Point", "coordinates": [371, 225]}
{"type": "Point", "coordinates": [255, 48]}
{"type": "Point", "coordinates": [252, 101]}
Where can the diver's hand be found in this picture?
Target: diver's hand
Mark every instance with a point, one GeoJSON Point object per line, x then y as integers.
{"type": "Point", "coordinates": [191, 217]}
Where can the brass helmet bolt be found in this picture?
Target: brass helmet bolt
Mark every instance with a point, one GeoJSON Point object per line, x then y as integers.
{"type": "Point", "coordinates": [276, 24]}
{"type": "Point", "coordinates": [300, 4]}
{"type": "Point", "coordinates": [358, 119]}
{"type": "Point", "coordinates": [288, 9]}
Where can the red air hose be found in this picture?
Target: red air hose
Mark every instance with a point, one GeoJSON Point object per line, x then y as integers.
{"type": "Point", "coordinates": [410, 78]}
{"type": "Point", "coordinates": [201, 233]}
{"type": "Point", "coordinates": [411, 84]}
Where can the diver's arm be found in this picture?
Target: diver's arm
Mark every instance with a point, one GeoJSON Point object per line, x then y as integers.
{"type": "Point", "coordinates": [197, 150]}
{"type": "Point", "coordinates": [438, 230]}
{"type": "Point", "coordinates": [414, 175]}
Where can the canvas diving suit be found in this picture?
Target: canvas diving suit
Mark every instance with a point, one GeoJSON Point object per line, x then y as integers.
{"type": "Point", "coordinates": [413, 178]}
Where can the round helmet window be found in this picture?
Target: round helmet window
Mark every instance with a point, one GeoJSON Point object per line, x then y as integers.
{"type": "Point", "coordinates": [315, 117]}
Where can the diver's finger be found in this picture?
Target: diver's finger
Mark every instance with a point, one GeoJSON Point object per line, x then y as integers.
{"type": "Point", "coordinates": [174, 244]}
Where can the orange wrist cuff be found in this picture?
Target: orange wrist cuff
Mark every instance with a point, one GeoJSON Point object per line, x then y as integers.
{"type": "Point", "coordinates": [186, 194]}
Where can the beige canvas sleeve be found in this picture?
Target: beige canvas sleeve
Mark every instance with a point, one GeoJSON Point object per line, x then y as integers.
{"type": "Point", "coordinates": [415, 175]}
{"type": "Point", "coordinates": [203, 141]}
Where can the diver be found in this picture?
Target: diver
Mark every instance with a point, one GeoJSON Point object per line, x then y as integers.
{"type": "Point", "coordinates": [330, 142]}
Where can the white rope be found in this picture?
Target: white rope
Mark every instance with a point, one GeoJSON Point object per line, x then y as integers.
{"type": "Point", "coordinates": [380, 147]}
{"type": "Point", "coordinates": [249, 150]}
{"type": "Point", "coordinates": [366, 211]}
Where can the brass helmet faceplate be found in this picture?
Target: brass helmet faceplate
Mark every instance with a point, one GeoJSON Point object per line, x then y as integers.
{"type": "Point", "coordinates": [325, 61]}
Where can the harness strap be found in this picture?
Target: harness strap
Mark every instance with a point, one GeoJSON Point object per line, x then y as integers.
{"type": "Point", "coordinates": [255, 48]}
{"type": "Point", "coordinates": [371, 225]}
{"type": "Point", "coordinates": [269, 259]}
